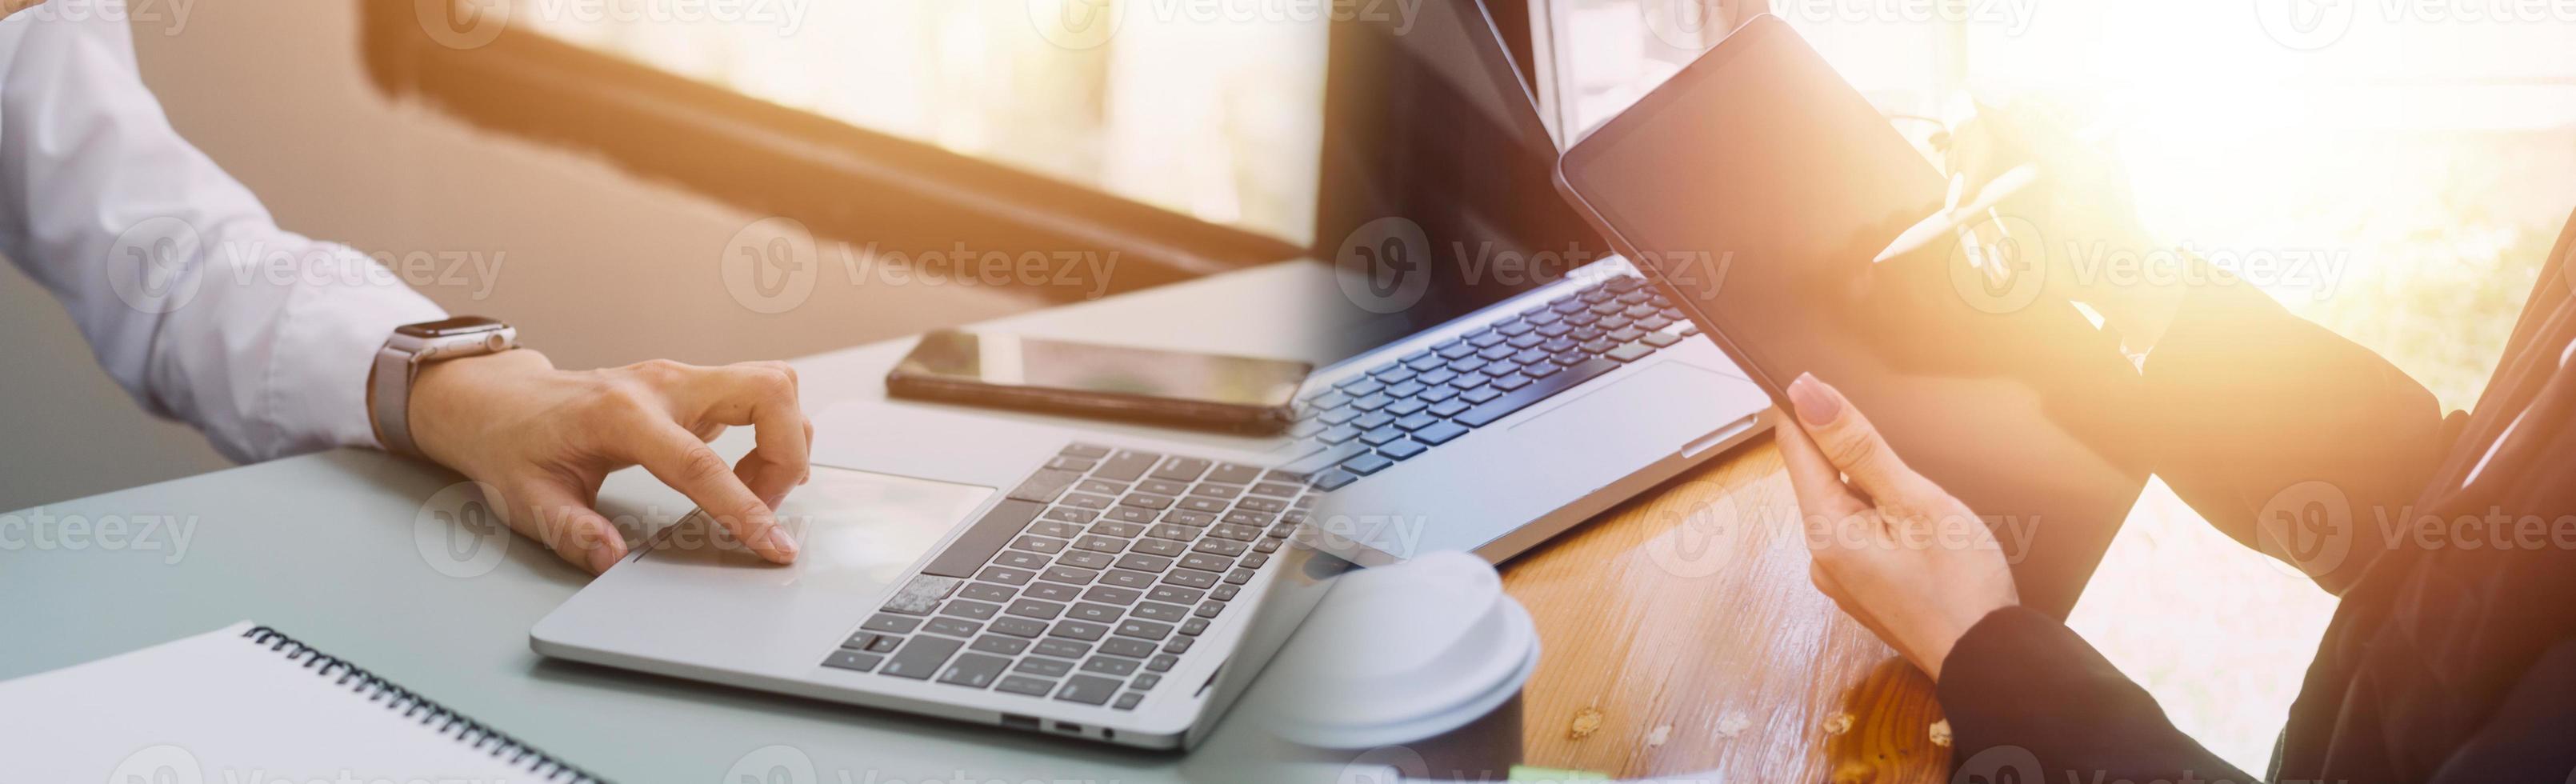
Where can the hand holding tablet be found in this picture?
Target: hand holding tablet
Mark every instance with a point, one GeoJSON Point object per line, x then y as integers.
{"type": "Point", "coordinates": [1761, 155]}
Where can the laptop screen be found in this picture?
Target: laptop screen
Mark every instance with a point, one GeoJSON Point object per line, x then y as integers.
{"type": "Point", "coordinates": [1435, 183]}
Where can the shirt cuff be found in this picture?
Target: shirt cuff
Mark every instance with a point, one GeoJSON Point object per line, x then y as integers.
{"type": "Point", "coordinates": [327, 343]}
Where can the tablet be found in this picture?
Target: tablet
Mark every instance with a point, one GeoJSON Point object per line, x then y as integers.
{"type": "Point", "coordinates": [1755, 187]}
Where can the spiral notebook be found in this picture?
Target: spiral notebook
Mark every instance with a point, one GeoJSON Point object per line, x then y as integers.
{"type": "Point", "coordinates": [247, 703]}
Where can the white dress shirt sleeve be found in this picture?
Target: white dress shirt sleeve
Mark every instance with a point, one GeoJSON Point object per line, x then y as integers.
{"type": "Point", "coordinates": [190, 295]}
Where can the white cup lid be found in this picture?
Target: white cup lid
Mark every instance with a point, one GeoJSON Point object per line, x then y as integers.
{"type": "Point", "coordinates": [1400, 653]}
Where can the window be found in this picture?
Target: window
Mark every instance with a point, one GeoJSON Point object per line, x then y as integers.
{"type": "Point", "coordinates": [2410, 163]}
{"type": "Point", "coordinates": [1209, 117]}
{"type": "Point", "coordinates": [1179, 135]}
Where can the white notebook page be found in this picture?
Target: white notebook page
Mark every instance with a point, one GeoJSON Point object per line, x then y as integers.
{"type": "Point", "coordinates": [219, 707]}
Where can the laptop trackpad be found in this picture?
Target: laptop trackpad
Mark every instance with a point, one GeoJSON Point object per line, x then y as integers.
{"type": "Point", "coordinates": [1664, 407]}
{"type": "Point", "coordinates": [856, 531]}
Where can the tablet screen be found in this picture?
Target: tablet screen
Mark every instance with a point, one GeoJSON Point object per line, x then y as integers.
{"type": "Point", "coordinates": [1757, 186]}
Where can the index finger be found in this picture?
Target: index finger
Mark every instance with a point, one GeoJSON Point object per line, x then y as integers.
{"type": "Point", "coordinates": [688, 465]}
{"type": "Point", "coordinates": [763, 395]}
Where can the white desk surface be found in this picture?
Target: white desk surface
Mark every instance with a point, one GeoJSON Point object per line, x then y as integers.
{"type": "Point", "coordinates": [323, 547]}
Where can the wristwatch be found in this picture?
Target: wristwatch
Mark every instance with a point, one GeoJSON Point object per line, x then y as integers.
{"type": "Point", "coordinates": [414, 345]}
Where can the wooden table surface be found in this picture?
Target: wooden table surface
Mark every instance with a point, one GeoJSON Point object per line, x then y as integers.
{"type": "Point", "coordinates": [1682, 637]}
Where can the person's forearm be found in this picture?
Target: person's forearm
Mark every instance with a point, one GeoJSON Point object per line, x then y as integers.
{"type": "Point", "coordinates": [2260, 412]}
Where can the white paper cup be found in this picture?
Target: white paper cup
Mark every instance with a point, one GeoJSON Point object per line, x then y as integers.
{"type": "Point", "coordinates": [1417, 666]}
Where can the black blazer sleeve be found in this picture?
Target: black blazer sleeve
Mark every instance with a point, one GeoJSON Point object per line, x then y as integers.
{"type": "Point", "coordinates": [2029, 701]}
{"type": "Point", "coordinates": [2255, 407]}
{"type": "Point", "coordinates": [2251, 407]}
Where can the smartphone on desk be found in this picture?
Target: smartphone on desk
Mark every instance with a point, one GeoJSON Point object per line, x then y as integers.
{"type": "Point", "coordinates": [1213, 391]}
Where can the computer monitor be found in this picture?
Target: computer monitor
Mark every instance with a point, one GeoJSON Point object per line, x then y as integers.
{"type": "Point", "coordinates": [1427, 120]}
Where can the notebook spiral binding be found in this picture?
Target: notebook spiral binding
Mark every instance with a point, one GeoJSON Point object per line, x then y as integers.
{"type": "Point", "coordinates": [428, 713]}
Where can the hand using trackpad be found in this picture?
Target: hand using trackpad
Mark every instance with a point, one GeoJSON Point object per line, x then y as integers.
{"type": "Point", "coordinates": [860, 529]}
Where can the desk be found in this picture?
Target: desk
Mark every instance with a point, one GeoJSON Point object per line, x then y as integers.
{"type": "Point", "coordinates": [330, 548]}
{"type": "Point", "coordinates": [1684, 620]}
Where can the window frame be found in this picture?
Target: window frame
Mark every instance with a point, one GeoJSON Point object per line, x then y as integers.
{"type": "Point", "coordinates": [842, 181]}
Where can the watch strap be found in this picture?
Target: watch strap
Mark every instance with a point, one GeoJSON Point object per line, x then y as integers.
{"type": "Point", "coordinates": [390, 399]}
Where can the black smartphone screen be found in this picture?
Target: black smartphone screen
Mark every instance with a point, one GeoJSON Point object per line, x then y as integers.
{"type": "Point", "coordinates": [1000, 360]}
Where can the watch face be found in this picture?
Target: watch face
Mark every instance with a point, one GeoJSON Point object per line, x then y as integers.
{"type": "Point", "coordinates": [459, 325]}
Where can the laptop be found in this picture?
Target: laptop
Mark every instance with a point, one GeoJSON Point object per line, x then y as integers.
{"type": "Point", "coordinates": [1088, 583]}
{"type": "Point", "coordinates": [1517, 378]}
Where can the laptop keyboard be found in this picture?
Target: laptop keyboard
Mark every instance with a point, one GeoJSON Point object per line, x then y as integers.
{"type": "Point", "coordinates": [1088, 582]}
{"type": "Point", "coordinates": [1403, 408]}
